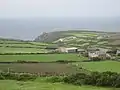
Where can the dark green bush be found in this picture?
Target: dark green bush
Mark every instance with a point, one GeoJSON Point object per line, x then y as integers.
{"type": "Point", "coordinates": [62, 61]}
{"type": "Point", "coordinates": [55, 79]}
{"type": "Point", "coordinates": [119, 54]}
{"type": "Point", "coordinates": [107, 79]}
{"type": "Point", "coordinates": [78, 78]}
{"type": "Point", "coordinates": [17, 76]}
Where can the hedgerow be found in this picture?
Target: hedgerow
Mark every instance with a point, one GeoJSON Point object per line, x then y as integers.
{"type": "Point", "coordinates": [17, 76]}
{"type": "Point", "coordinates": [106, 79]}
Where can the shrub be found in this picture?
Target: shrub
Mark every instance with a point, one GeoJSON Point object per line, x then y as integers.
{"type": "Point", "coordinates": [62, 61]}
{"type": "Point", "coordinates": [110, 79]}
{"type": "Point", "coordinates": [17, 76]}
{"type": "Point", "coordinates": [25, 77]}
{"type": "Point", "coordinates": [119, 54]}
{"type": "Point", "coordinates": [21, 61]}
{"type": "Point", "coordinates": [54, 79]}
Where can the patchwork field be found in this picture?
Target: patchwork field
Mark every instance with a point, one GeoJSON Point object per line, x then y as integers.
{"type": "Point", "coordinates": [12, 46]}
{"type": "Point", "coordinates": [69, 39]}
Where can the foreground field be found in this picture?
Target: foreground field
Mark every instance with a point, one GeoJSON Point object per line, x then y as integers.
{"type": "Point", "coordinates": [102, 66]}
{"type": "Point", "coordinates": [16, 85]}
{"type": "Point", "coordinates": [42, 57]}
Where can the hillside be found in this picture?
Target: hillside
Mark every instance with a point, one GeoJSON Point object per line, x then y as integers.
{"type": "Point", "coordinates": [52, 36]}
{"type": "Point", "coordinates": [81, 38]}
{"type": "Point", "coordinates": [75, 38]}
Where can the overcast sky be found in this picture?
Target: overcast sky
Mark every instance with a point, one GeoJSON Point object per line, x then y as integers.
{"type": "Point", "coordinates": [59, 8]}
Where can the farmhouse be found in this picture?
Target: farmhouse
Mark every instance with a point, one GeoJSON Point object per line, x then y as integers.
{"type": "Point", "coordinates": [67, 50]}
{"type": "Point", "coordinates": [99, 55]}
{"type": "Point", "coordinates": [81, 50]}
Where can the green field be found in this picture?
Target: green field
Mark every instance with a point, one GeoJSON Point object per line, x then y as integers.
{"type": "Point", "coordinates": [101, 66]}
{"type": "Point", "coordinates": [21, 50]}
{"type": "Point", "coordinates": [83, 34]}
{"type": "Point", "coordinates": [11, 46]}
{"type": "Point", "coordinates": [42, 57]}
{"type": "Point", "coordinates": [38, 85]}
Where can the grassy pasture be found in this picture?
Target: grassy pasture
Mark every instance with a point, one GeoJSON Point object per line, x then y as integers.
{"type": "Point", "coordinates": [42, 57]}
{"type": "Point", "coordinates": [11, 41]}
{"type": "Point", "coordinates": [21, 45]}
{"type": "Point", "coordinates": [21, 50]}
{"type": "Point", "coordinates": [101, 66]}
{"type": "Point", "coordinates": [38, 85]}
{"type": "Point", "coordinates": [11, 46]}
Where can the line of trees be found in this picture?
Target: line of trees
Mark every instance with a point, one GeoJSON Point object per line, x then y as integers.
{"type": "Point", "coordinates": [25, 47]}
{"type": "Point", "coordinates": [29, 53]}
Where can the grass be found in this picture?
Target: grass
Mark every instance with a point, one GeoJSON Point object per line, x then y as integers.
{"type": "Point", "coordinates": [21, 45]}
{"type": "Point", "coordinates": [21, 50]}
{"type": "Point", "coordinates": [8, 46]}
{"type": "Point", "coordinates": [42, 57]}
{"type": "Point", "coordinates": [35, 85]}
{"type": "Point", "coordinates": [102, 66]}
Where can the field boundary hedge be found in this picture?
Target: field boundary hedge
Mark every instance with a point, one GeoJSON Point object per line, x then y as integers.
{"type": "Point", "coordinates": [17, 76]}
{"type": "Point", "coordinates": [32, 53]}
{"type": "Point", "coordinates": [26, 61]}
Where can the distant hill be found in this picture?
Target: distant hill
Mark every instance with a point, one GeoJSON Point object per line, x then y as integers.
{"type": "Point", "coordinates": [81, 38]}
{"type": "Point", "coordinates": [52, 36]}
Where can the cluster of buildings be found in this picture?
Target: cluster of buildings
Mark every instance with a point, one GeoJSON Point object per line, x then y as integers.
{"type": "Point", "coordinates": [92, 53]}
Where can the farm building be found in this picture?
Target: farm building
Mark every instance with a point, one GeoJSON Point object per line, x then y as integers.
{"type": "Point", "coordinates": [81, 50]}
{"type": "Point", "coordinates": [99, 55]}
{"type": "Point", "coordinates": [72, 50]}
{"type": "Point", "coordinates": [67, 50]}
{"type": "Point", "coordinates": [118, 52]}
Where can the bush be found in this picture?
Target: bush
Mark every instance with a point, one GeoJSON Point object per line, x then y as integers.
{"type": "Point", "coordinates": [119, 54]}
{"type": "Point", "coordinates": [21, 61]}
{"type": "Point", "coordinates": [55, 79]}
{"type": "Point", "coordinates": [76, 79]}
{"type": "Point", "coordinates": [25, 77]}
{"type": "Point", "coordinates": [110, 79]}
{"type": "Point", "coordinates": [17, 76]}
{"type": "Point", "coordinates": [63, 61]}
